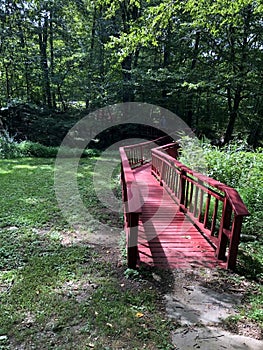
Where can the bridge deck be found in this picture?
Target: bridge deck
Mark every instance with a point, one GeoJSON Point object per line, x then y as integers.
{"type": "Point", "coordinates": [167, 238]}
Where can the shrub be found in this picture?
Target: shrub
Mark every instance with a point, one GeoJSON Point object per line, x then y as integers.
{"type": "Point", "coordinates": [9, 148]}
{"type": "Point", "coordinates": [237, 166]}
{"type": "Point", "coordinates": [35, 149]}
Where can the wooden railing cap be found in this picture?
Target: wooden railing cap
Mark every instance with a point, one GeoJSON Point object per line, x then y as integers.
{"type": "Point", "coordinates": [232, 195]}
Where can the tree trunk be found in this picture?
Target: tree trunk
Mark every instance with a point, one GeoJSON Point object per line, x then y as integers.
{"type": "Point", "coordinates": [233, 112]}
{"type": "Point", "coordinates": [43, 39]}
{"type": "Point", "coordinates": [190, 113]}
{"type": "Point", "coordinates": [24, 51]}
{"type": "Point", "coordinates": [52, 61]}
{"type": "Point", "coordinates": [8, 88]}
{"type": "Point", "coordinates": [128, 14]}
{"type": "Point", "coordinates": [128, 93]}
{"type": "Point", "coordinates": [166, 58]}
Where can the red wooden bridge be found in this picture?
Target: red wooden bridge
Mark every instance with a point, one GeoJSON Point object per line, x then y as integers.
{"type": "Point", "coordinates": [174, 216]}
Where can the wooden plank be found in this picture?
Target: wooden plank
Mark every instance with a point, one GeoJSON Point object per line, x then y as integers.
{"type": "Point", "coordinates": [166, 237]}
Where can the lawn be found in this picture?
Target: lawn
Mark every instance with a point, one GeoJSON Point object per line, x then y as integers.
{"type": "Point", "coordinates": [57, 290]}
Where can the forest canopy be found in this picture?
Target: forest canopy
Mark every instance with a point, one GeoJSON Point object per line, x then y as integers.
{"type": "Point", "coordinates": [200, 59]}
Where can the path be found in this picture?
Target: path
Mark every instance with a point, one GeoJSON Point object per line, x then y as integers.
{"type": "Point", "coordinates": [167, 238]}
{"type": "Point", "coordinates": [199, 312]}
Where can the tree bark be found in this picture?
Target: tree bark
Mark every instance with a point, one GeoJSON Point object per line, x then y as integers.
{"type": "Point", "coordinates": [128, 93]}
{"type": "Point", "coordinates": [233, 107]}
{"type": "Point", "coordinates": [52, 59]}
{"type": "Point", "coordinates": [190, 112]}
{"type": "Point", "coordinates": [43, 40]}
{"type": "Point", "coordinates": [8, 88]}
{"type": "Point", "coordinates": [128, 14]}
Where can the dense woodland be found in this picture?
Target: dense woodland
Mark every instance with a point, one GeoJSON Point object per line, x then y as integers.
{"type": "Point", "coordinates": [200, 59]}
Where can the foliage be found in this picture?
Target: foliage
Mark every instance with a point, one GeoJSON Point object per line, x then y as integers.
{"type": "Point", "coordinates": [34, 149]}
{"type": "Point", "coordinates": [29, 122]}
{"type": "Point", "coordinates": [9, 148]}
{"type": "Point", "coordinates": [202, 60]}
{"type": "Point", "coordinates": [236, 165]}
{"type": "Point", "coordinates": [251, 260]}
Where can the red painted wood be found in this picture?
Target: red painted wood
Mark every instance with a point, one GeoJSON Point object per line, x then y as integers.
{"type": "Point", "coordinates": [166, 237]}
{"type": "Point", "coordinates": [169, 234]}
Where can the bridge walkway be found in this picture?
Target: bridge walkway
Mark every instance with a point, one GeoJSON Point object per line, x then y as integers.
{"type": "Point", "coordinates": [167, 238]}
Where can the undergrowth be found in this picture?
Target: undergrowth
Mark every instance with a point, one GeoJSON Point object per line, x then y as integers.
{"type": "Point", "coordinates": [10, 148]}
{"type": "Point", "coordinates": [235, 165]}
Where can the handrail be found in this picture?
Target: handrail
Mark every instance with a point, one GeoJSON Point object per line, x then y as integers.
{"type": "Point", "coordinates": [201, 198]}
{"type": "Point", "coordinates": [232, 195]}
{"type": "Point", "coordinates": [140, 153]}
{"type": "Point", "coordinates": [132, 208]}
{"type": "Point", "coordinates": [133, 200]}
{"type": "Point", "coordinates": [215, 208]}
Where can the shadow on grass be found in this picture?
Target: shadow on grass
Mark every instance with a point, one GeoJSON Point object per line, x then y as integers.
{"type": "Point", "coordinates": [250, 264]}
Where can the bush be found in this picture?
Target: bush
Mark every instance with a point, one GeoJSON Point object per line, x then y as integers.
{"type": "Point", "coordinates": [9, 148]}
{"type": "Point", "coordinates": [35, 149]}
{"type": "Point", "coordinates": [235, 165]}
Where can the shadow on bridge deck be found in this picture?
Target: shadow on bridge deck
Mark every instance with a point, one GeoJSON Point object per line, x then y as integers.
{"type": "Point", "coordinates": [167, 238]}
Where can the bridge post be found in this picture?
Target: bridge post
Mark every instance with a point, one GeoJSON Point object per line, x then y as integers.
{"type": "Point", "coordinates": [224, 227]}
{"type": "Point", "coordinates": [132, 239]}
{"type": "Point", "coordinates": [234, 242]}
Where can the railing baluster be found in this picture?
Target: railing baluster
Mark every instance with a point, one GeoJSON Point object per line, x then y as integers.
{"type": "Point", "coordinates": [186, 200]}
{"type": "Point", "coordinates": [225, 225]}
{"type": "Point", "coordinates": [201, 202]}
{"type": "Point", "coordinates": [191, 206]}
{"type": "Point", "coordinates": [207, 206]}
{"type": "Point", "coordinates": [182, 189]}
{"type": "Point", "coordinates": [192, 190]}
{"type": "Point", "coordinates": [196, 201]}
{"type": "Point", "coordinates": [214, 218]}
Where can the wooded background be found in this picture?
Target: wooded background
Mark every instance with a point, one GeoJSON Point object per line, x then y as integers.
{"type": "Point", "coordinates": [200, 59]}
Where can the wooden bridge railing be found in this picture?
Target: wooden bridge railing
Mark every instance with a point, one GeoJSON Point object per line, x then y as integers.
{"type": "Point", "coordinates": [139, 154]}
{"type": "Point", "coordinates": [216, 209]}
{"type": "Point", "coordinates": [132, 208]}
{"type": "Point", "coordinates": [131, 157]}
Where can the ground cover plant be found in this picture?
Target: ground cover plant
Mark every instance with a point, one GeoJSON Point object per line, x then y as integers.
{"type": "Point", "coordinates": [56, 289]}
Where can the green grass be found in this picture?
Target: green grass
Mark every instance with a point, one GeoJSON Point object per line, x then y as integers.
{"type": "Point", "coordinates": [58, 294]}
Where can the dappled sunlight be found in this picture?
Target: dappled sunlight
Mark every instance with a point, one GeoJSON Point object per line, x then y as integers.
{"type": "Point", "coordinates": [5, 171]}
{"type": "Point", "coordinates": [28, 167]}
